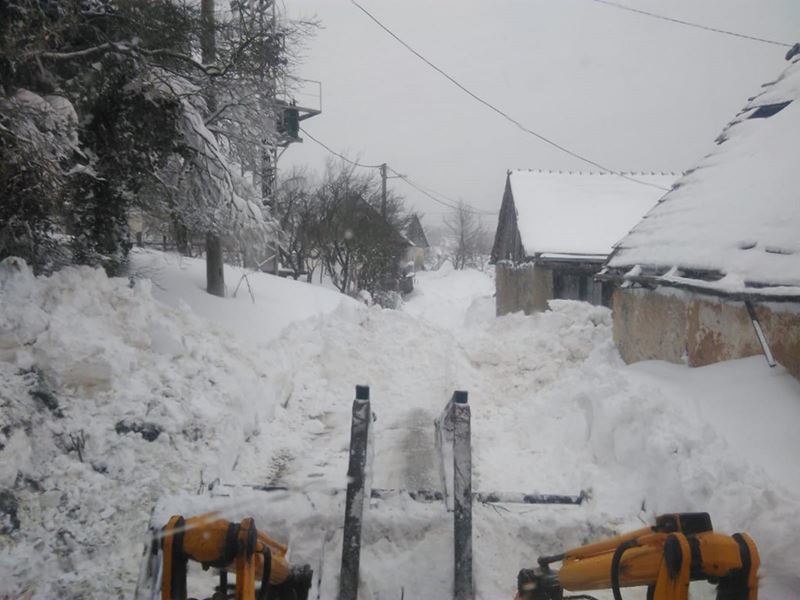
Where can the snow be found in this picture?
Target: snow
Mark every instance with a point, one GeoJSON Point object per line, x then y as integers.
{"type": "Point", "coordinates": [580, 213]}
{"type": "Point", "coordinates": [178, 281]}
{"type": "Point", "coordinates": [451, 298]}
{"type": "Point", "coordinates": [737, 212]}
{"type": "Point", "coordinates": [262, 394]}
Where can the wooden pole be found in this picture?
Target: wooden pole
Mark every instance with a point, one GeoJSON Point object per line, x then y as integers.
{"type": "Point", "coordinates": [762, 339]}
{"type": "Point", "coordinates": [462, 492]}
{"type": "Point", "coordinates": [354, 502]}
{"type": "Point", "coordinates": [383, 190]}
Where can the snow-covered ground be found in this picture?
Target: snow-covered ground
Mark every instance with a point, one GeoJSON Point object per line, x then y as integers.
{"type": "Point", "coordinates": [256, 392]}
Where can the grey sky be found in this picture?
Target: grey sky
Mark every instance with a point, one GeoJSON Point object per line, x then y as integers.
{"type": "Point", "coordinates": [625, 90]}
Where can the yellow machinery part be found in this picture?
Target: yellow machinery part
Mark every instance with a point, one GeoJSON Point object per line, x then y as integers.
{"type": "Point", "coordinates": [639, 565]}
{"type": "Point", "coordinates": [279, 570]}
{"type": "Point", "coordinates": [206, 539]}
{"type": "Point", "coordinates": [245, 561]}
{"type": "Point", "coordinates": [672, 584]}
{"type": "Point", "coordinates": [755, 563]}
{"type": "Point", "coordinates": [606, 546]}
{"type": "Point", "coordinates": [170, 584]}
{"type": "Point", "coordinates": [665, 558]}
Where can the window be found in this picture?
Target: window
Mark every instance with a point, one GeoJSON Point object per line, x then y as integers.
{"type": "Point", "coordinates": [766, 111]}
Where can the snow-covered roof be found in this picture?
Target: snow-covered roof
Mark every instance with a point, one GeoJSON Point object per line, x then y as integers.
{"type": "Point", "coordinates": [415, 233]}
{"type": "Point", "coordinates": [581, 213]}
{"type": "Point", "coordinates": [733, 222]}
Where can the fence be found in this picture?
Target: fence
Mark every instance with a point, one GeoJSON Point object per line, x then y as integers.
{"type": "Point", "coordinates": [453, 442]}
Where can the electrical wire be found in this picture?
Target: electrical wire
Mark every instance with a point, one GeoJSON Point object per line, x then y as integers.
{"type": "Point", "coordinates": [419, 187]}
{"type": "Point", "coordinates": [342, 156]}
{"type": "Point", "coordinates": [455, 206]}
{"type": "Point", "coordinates": [500, 112]}
{"type": "Point", "coordinates": [689, 24]}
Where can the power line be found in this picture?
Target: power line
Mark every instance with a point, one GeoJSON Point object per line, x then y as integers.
{"type": "Point", "coordinates": [503, 114]}
{"type": "Point", "coordinates": [429, 192]}
{"type": "Point", "coordinates": [342, 156]}
{"type": "Point", "coordinates": [689, 24]}
{"type": "Point", "coordinates": [448, 202]}
{"type": "Point", "coordinates": [445, 201]}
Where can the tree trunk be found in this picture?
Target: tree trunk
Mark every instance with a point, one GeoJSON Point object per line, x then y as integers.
{"type": "Point", "coordinates": [181, 237]}
{"type": "Point", "coordinates": [208, 42]}
{"type": "Point", "coordinates": [215, 276]}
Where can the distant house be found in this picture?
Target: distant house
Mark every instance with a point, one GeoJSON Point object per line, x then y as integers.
{"type": "Point", "coordinates": [726, 237]}
{"type": "Point", "coordinates": [368, 224]}
{"type": "Point", "coordinates": [416, 235]}
{"type": "Point", "coordinates": [556, 229]}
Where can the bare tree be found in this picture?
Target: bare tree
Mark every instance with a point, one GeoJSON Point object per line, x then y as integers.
{"type": "Point", "coordinates": [467, 236]}
{"type": "Point", "coordinates": [296, 209]}
{"type": "Point", "coordinates": [359, 247]}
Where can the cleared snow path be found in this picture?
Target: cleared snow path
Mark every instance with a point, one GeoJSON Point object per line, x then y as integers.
{"type": "Point", "coordinates": [405, 453]}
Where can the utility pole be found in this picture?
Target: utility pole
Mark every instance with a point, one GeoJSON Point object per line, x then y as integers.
{"type": "Point", "coordinates": [383, 190]}
{"type": "Point", "coordinates": [288, 115]}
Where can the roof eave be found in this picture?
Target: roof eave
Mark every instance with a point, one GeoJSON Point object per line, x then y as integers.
{"type": "Point", "coordinates": [756, 293]}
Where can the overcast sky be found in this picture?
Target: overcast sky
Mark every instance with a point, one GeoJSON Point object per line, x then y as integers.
{"type": "Point", "coordinates": [628, 91]}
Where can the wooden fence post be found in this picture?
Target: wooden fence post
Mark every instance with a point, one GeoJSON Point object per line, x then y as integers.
{"type": "Point", "coordinates": [354, 503]}
{"type": "Point", "coordinates": [462, 493]}
{"type": "Point", "coordinates": [443, 441]}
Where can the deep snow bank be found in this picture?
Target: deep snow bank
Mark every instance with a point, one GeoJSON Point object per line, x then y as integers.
{"type": "Point", "coordinates": [263, 306]}
{"type": "Point", "coordinates": [108, 400]}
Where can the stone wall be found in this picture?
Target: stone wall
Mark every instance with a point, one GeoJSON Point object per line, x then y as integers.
{"type": "Point", "coordinates": [700, 330]}
{"type": "Point", "coordinates": [522, 288]}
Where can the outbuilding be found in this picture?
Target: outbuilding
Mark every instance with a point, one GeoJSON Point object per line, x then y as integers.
{"type": "Point", "coordinates": [416, 235]}
{"type": "Point", "coordinates": [712, 272]}
{"type": "Point", "coordinates": [556, 229]}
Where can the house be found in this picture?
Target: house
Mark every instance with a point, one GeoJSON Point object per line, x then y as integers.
{"type": "Point", "coordinates": [556, 229]}
{"type": "Point", "coordinates": [416, 235]}
{"type": "Point", "coordinates": [720, 254]}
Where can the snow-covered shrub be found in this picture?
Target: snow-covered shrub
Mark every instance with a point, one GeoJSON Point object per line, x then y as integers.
{"type": "Point", "coordinates": [37, 142]}
{"type": "Point", "coordinates": [388, 299]}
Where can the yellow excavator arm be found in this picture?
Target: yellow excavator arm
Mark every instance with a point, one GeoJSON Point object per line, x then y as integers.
{"type": "Point", "coordinates": [678, 549]}
{"type": "Point", "coordinates": [232, 548]}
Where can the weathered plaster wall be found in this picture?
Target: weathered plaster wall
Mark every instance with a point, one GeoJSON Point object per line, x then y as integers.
{"type": "Point", "coordinates": [701, 330]}
{"type": "Point", "coordinates": [649, 326]}
{"type": "Point", "coordinates": [523, 288]}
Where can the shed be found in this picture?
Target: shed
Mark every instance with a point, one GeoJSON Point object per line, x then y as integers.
{"type": "Point", "coordinates": [416, 235]}
{"type": "Point", "coordinates": [726, 237]}
{"type": "Point", "coordinates": [556, 229]}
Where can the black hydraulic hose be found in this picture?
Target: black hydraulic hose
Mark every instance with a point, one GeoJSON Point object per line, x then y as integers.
{"type": "Point", "coordinates": [621, 549]}
{"type": "Point", "coordinates": [546, 561]}
{"type": "Point", "coordinates": [263, 593]}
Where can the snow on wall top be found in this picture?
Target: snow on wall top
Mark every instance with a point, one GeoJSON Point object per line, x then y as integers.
{"type": "Point", "coordinates": [580, 213]}
{"type": "Point", "coordinates": [738, 211]}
